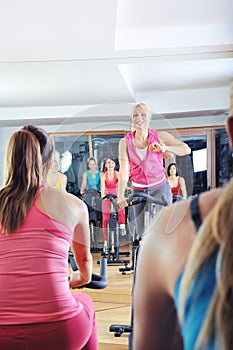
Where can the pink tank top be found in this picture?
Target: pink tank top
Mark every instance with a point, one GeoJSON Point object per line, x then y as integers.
{"type": "Point", "coordinates": [147, 172]}
{"type": "Point", "coordinates": [111, 186]}
{"type": "Point", "coordinates": [34, 272]}
{"type": "Point", "coordinates": [176, 190]}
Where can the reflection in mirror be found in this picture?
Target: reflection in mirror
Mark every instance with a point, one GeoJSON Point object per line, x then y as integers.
{"type": "Point", "coordinates": [224, 167]}
{"type": "Point", "coordinates": [105, 146]}
{"type": "Point", "coordinates": [193, 167]}
{"type": "Point", "coordinates": [72, 152]}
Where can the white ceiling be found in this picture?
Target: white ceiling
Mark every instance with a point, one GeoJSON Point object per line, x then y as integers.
{"type": "Point", "coordinates": [88, 59]}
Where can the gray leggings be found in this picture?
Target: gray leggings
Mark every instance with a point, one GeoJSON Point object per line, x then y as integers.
{"type": "Point", "coordinates": [136, 212]}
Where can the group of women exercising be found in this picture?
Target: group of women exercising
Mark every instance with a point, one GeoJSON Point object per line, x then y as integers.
{"type": "Point", "coordinates": [185, 261]}
{"type": "Point", "coordinates": [141, 155]}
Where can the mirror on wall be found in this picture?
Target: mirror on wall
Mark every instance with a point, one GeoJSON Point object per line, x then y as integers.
{"type": "Point", "coordinates": [105, 146]}
{"type": "Point", "coordinates": [209, 164]}
{"type": "Point", "coordinates": [72, 152]}
{"type": "Point", "coordinates": [193, 167]}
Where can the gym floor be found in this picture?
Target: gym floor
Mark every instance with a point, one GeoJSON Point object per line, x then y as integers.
{"type": "Point", "coordinates": [112, 304]}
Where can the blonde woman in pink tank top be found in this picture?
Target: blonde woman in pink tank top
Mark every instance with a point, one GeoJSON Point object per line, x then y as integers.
{"type": "Point", "coordinates": [141, 154]}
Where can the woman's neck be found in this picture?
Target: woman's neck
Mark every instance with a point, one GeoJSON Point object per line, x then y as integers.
{"type": "Point", "coordinates": [110, 171]}
{"type": "Point", "coordinates": [54, 178]}
{"type": "Point", "coordinates": [141, 138]}
{"type": "Point", "coordinates": [54, 175]}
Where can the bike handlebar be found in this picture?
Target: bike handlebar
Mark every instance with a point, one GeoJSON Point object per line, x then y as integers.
{"type": "Point", "coordinates": [142, 197]}
{"type": "Point", "coordinates": [136, 198]}
{"type": "Point", "coordinates": [91, 191]}
{"type": "Point", "coordinates": [110, 196]}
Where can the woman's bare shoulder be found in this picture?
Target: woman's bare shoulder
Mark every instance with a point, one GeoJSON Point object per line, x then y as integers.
{"type": "Point", "coordinates": [208, 199]}
{"type": "Point", "coordinates": [173, 227]}
{"type": "Point", "coordinates": [167, 243]}
{"type": "Point", "coordinates": [58, 201]}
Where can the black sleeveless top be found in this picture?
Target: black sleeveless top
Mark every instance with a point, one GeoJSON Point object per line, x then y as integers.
{"type": "Point", "coordinates": [195, 212]}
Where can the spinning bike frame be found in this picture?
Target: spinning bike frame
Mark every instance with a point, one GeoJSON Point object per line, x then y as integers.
{"type": "Point", "coordinates": [93, 219]}
{"type": "Point", "coordinates": [113, 249]}
{"type": "Point", "coordinates": [133, 200]}
{"type": "Point", "coordinates": [150, 211]}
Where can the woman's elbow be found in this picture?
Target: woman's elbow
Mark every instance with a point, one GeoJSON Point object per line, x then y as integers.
{"type": "Point", "coordinates": [188, 149]}
{"type": "Point", "coordinates": [185, 150]}
{"type": "Point", "coordinates": [87, 279]}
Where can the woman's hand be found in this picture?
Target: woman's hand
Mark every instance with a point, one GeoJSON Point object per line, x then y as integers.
{"type": "Point", "coordinates": [160, 147]}
{"type": "Point", "coordinates": [155, 147]}
{"type": "Point", "coordinates": [121, 201]}
{"type": "Point", "coordinates": [76, 280]}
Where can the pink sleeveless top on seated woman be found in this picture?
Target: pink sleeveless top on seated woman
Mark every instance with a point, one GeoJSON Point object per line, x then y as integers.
{"type": "Point", "coordinates": [34, 272]}
{"type": "Point", "coordinates": [176, 190]}
{"type": "Point", "coordinates": [111, 186]}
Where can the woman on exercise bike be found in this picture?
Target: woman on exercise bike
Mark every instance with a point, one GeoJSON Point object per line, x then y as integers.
{"type": "Point", "coordinates": [37, 225]}
{"type": "Point", "coordinates": [177, 183]}
{"type": "Point", "coordinates": [90, 188]}
{"type": "Point", "coordinates": [91, 177]}
{"type": "Point", "coordinates": [141, 155]}
{"type": "Point", "coordinates": [55, 178]}
{"type": "Point", "coordinates": [109, 184]}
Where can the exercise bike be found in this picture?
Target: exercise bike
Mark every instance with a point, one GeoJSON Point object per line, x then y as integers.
{"type": "Point", "coordinates": [151, 203]}
{"type": "Point", "coordinates": [93, 200]}
{"type": "Point", "coordinates": [176, 198]}
{"type": "Point", "coordinates": [113, 253]}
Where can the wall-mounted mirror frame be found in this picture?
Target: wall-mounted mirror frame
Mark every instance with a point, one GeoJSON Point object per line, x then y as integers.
{"type": "Point", "coordinates": [72, 151]}
{"type": "Point", "coordinates": [186, 134]}
{"type": "Point", "coordinates": [213, 157]}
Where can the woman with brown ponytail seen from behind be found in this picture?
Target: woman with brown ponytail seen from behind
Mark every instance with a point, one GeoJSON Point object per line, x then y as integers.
{"type": "Point", "coordinates": [38, 223]}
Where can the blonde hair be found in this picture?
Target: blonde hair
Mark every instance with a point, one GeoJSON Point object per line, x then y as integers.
{"type": "Point", "coordinates": [143, 106]}
{"type": "Point", "coordinates": [27, 159]}
{"type": "Point", "coordinates": [216, 231]}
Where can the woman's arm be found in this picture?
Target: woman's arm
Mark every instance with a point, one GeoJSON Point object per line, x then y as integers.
{"type": "Point", "coordinates": [162, 257]}
{"type": "Point", "coordinates": [183, 187]}
{"type": "Point", "coordinates": [102, 184]}
{"type": "Point", "coordinates": [155, 316]}
{"type": "Point", "coordinates": [81, 248]}
{"type": "Point", "coordinates": [123, 175]}
{"type": "Point", "coordinates": [84, 262]}
{"type": "Point", "coordinates": [84, 183]}
{"type": "Point", "coordinates": [172, 144]}
{"type": "Point", "coordinates": [63, 181]}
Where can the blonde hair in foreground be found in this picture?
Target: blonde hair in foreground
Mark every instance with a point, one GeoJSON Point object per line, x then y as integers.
{"type": "Point", "coordinates": [217, 230]}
